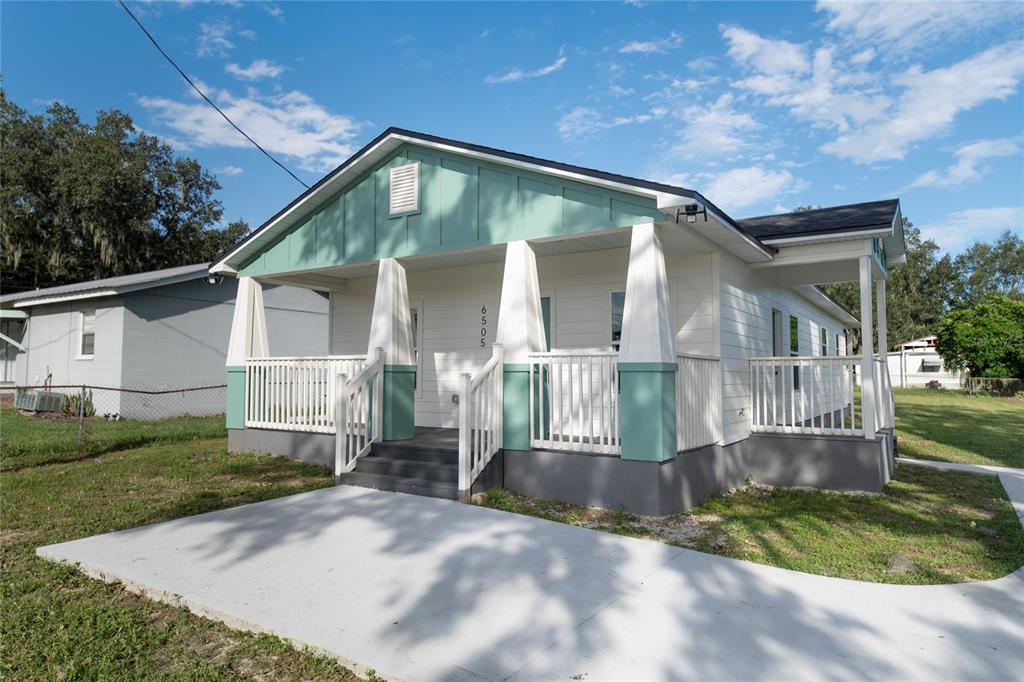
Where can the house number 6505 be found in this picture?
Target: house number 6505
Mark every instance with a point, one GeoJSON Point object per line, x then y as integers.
{"type": "Point", "coordinates": [483, 326]}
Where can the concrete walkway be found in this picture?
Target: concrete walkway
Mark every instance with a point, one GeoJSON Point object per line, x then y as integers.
{"type": "Point", "coordinates": [425, 589]}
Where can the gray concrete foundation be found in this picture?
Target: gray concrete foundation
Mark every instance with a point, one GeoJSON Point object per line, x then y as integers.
{"type": "Point", "coordinates": [844, 463]}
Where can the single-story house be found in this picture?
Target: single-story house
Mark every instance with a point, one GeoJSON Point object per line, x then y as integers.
{"type": "Point", "coordinates": [501, 319]}
{"type": "Point", "coordinates": [917, 363]}
{"type": "Point", "coordinates": [152, 331]}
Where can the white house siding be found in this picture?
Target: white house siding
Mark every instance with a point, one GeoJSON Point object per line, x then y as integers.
{"type": "Point", "coordinates": [905, 369]}
{"type": "Point", "coordinates": [176, 336]}
{"type": "Point", "coordinates": [451, 301]}
{"type": "Point", "coordinates": [747, 300]}
{"type": "Point", "coordinates": [52, 343]}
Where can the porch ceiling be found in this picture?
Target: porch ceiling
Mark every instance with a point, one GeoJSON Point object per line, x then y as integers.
{"type": "Point", "coordinates": [677, 240]}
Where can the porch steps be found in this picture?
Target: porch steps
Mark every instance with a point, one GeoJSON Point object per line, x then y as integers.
{"type": "Point", "coordinates": [408, 467]}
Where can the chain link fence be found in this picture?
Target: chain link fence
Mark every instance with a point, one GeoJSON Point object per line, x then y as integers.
{"type": "Point", "coordinates": [81, 401]}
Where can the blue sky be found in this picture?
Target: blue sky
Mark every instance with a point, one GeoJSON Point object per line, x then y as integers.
{"type": "Point", "coordinates": [760, 106]}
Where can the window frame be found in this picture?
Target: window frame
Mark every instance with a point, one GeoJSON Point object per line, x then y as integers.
{"type": "Point", "coordinates": [794, 347]}
{"type": "Point", "coordinates": [611, 318]}
{"type": "Point", "coordinates": [82, 321]}
{"type": "Point", "coordinates": [417, 343]}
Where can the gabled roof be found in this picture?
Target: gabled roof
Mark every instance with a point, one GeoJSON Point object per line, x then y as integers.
{"type": "Point", "coordinates": [392, 138]}
{"type": "Point", "coordinates": [110, 286]}
{"type": "Point", "coordinates": [870, 216]}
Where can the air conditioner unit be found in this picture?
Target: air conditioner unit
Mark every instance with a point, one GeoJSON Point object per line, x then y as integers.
{"type": "Point", "coordinates": [39, 401]}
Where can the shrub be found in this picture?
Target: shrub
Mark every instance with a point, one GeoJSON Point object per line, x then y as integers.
{"type": "Point", "coordinates": [72, 403]}
{"type": "Point", "coordinates": [987, 339]}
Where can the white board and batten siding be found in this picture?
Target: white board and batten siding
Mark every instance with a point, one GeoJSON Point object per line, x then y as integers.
{"type": "Point", "coordinates": [451, 303]}
{"type": "Point", "coordinates": [747, 302]}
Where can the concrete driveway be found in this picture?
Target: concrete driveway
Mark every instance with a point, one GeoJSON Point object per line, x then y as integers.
{"type": "Point", "coordinates": [425, 589]}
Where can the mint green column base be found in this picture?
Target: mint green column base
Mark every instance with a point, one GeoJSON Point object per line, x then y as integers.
{"type": "Point", "coordinates": [516, 401]}
{"type": "Point", "coordinates": [234, 410]}
{"type": "Point", "coordinates": [399, 402]}
{"type": "Point", "coordinates": [647, 410]}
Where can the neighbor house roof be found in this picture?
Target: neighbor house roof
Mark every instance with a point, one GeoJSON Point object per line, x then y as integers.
{"type": "Point", "coordinates": [870, 216]}
{"type": "Point", "coordinates": [110, 286]}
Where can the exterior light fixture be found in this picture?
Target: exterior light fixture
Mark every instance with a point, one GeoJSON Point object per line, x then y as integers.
{"type": "Point", "coordinates": [691, 211]}
{"type": "Point", "coordinates": [213, 280]}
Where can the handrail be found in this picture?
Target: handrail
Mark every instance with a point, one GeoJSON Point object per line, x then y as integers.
{"type": "Point", "coordinates": [813, 395]}
{"type": "Point", "coordinates": [274, 358]}
{"type": "Point", "coordinates": [294, 393]}
{"type": "Point", "coordinates": [481, 407]}
{"type": "Point", "coordinates": [358, 413]}
{"type": "Point", "coordinates": [561, 352]}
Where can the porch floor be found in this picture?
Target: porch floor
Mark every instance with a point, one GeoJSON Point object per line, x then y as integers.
{"type": "Point", "coordinates": [432, 438]}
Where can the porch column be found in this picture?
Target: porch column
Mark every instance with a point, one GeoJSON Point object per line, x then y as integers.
{"type": "Point", "coordinates": [520, 332]}
{"type": "Point", "coordinates": [647, 354]}
{"type": "Point", "coordinates": [867, 374]}
{"type": "Point", "coordinates": [391, 329]}
{"type": "Point", "coordinates": [248, 340]}
{"type": "Point", "coordinates": [883, 349]}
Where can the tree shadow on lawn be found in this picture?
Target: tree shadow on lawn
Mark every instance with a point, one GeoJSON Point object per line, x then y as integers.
{"type": "Point", "coordinates": [993, 437]}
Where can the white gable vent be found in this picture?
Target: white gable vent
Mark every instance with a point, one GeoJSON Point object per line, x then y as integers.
{"type": "Point", "coordinates": [405, 189]}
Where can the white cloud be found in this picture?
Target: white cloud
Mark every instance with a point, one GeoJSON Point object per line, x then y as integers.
{"type": "Point", "coordinates": [740, 188]}
{"type": "Point", "coordinates": [259, 68]}
{"type": "Point", "coordinates": [583, 122]}
{"type": "Point", "coordinates": [290, 124]}
{"type": "Point", "coordinates": [518, 74]}
{"type": "Point", "coordinates": [960, 229]}
{"type": "Point", "coordinates": [214, 39]}
{"type": "Point", "coordinates": [701, 64]}
{"type": "Point", "coordinates": [930, 101]}
{"type": "Point", "coordinates": [230, 170]}
{"type": "Point", "coordinates": [658, 45]}
{"type": "Point", "coordinates": [272, 9]}
{"type": "Point", "coordinates": [864, 56]}
{"type": "Point", "coordinates": [968, 166]}
{"type": "Point", "coordinates": [764, 54]}
{"type": "Point", "coordinates": [907, 27]}
{"type": "Point", "coordinates": [713, 130]}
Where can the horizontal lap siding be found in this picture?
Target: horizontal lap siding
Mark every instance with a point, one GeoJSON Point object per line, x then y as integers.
{"type": "Point", "coordinates": [747, 300]}
{"type": "Point", "coordinates": [579, 285]}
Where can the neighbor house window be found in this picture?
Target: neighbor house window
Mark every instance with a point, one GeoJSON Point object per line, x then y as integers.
{"type": "Point", "coordinates": [618, 305]}
{"type": "Point", "coordinates": [824, 341]}
{"type": "Point", "coordinates": [87, 333]}
{"type": "Point", "coordinates": [931, 366]}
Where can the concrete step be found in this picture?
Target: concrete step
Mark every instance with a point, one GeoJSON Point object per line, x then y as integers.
{"type": "Point", "coordinates": [413, 486]}
{"type": "Point", "coordinates": [409, 468]}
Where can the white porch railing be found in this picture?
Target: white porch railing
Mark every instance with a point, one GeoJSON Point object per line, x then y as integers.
{"type": "Point", "coordinates": [884, 406]}
{"type": "Point", "coordinates": [481, 403]}
{"type": "Point", "coordinates": [698, 401]}
{"type": "Point", "coordinates": [295, 394]}
{"type": "Point", "coordinates": [805, 395]}
{"type": "Point", "coordinates": [574, 401]}
{"type": "Point", "coordinates": [358, 409]}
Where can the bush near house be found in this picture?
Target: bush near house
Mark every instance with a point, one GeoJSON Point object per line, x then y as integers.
{"type": "Point", "coordinates": [986, 340]}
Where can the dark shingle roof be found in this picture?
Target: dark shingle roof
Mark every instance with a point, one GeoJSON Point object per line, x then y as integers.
{"type": "Point", "coordinates": [824, 221]}
{"type": "Point", "coordinates": [139, 280]}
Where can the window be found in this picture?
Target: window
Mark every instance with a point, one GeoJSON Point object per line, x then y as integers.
{"type": "Point", "coordinates": [87, 333]}
{"type": "Point", "coordinates": [405, 189]}
{"type": "Point", "coordinates": [618, 304]}
{"type": "Point", "coordinates": [838, 346]}
{"type": "Point", "coordinates": [931, 366]}
{"type": "Point", "coordinates": [824, 341]}
{"type": "Point", "coordinates": [415, 313]}
{"type": "Point", "coordinates": [794, 348]}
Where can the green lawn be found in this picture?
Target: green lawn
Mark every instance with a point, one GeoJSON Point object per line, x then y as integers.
{"type": "Point", "coordinates": [39, 441]}
{"type": "Point", "coordinates": [58, 624]}
{"type": "Point", "coordinates": [952, 426]}
{"type": "Point", "coordinates": [928, 527]}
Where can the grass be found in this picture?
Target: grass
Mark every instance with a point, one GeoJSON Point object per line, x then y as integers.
{"type": "Point", "coordinates": [951, 426]}
{"type": "Point", "coordinates": [58, 624]}
{"type": "Point", "coordinates": [928, 527]}
{"type": "Point", "coordinates": [27, 441]}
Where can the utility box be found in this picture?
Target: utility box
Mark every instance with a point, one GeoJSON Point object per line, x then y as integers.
{"type": "Point", "coordinates": [39, 401]}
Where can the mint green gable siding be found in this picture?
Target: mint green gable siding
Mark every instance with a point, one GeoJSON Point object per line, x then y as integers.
{"type": "Point", "coordinates": [463, 203]}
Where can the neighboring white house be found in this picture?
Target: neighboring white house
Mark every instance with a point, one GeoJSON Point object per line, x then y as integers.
{"type": "Point", "coordinates": [917, 363]}
{"type": "Point", "coordinates": [152, 331]}
{"type": "Point", "coordinates": [501, 319]}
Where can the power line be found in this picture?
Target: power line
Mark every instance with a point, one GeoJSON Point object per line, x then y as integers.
{"type": "Point", "coordinates": [203, 94]}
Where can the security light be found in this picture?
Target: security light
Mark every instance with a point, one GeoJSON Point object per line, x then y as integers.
{"type": "Point", "coordinates": [213, 280]}
{"type": "Point", "coordinates": [692, 211]}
